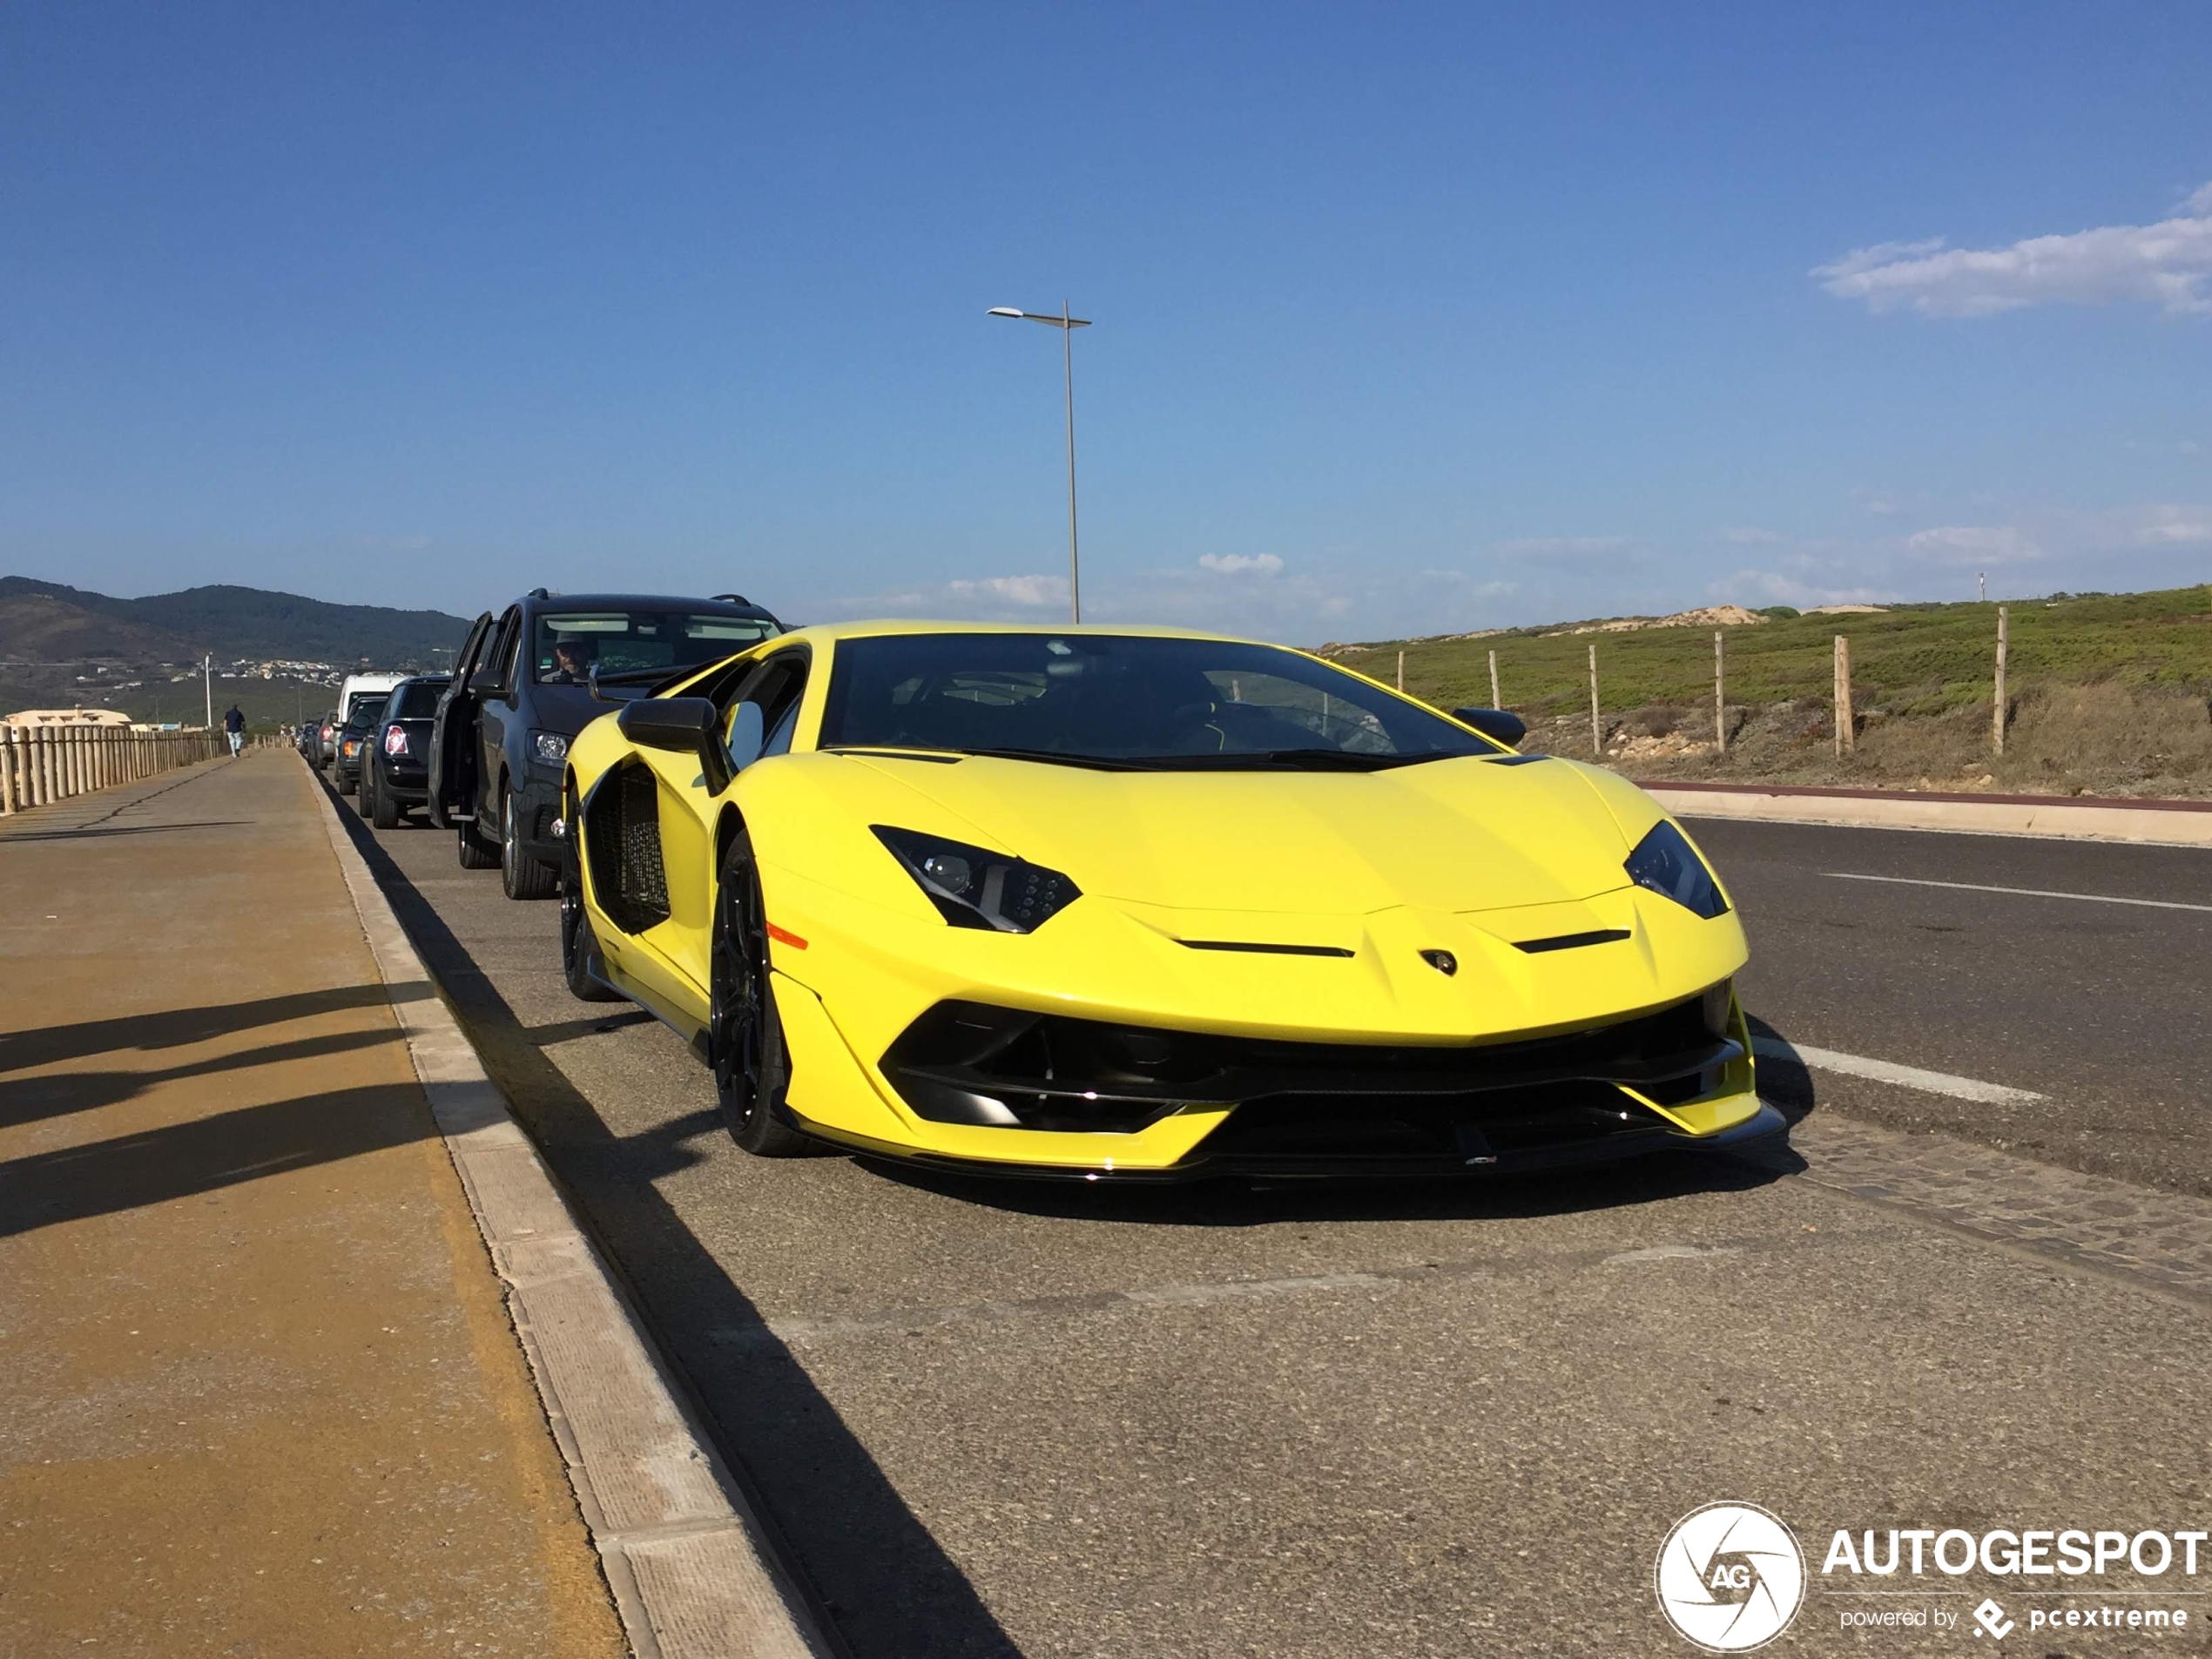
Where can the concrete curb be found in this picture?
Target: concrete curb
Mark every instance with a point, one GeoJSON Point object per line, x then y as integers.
{"type": "Point", "coordinates": [2057, 818]}
{"type": "Point", "coordinates": [685, 1557]}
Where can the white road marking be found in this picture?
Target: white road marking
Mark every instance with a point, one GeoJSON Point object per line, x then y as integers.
{"type": "Point", "coordinates": [1885, 1071]}
{"type": "Point", "coordinates": [2018, 892]}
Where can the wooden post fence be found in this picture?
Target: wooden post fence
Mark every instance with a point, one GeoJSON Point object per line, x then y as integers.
{"type": "Point", "coordinates": [40, 765]}
{"type": "Point", "coordinates": [1494, 702]}
{"type": "Point", "coordinates": [1597, 736]}
{"type": "Point", "coordinates": [1846, 727]}
{"type": "Point", "coordinates": [1720, 700]}
{"type": "Point", "coordinates": [1401, 670]}
{"type": "Point", "coordinates": [1997, 715]}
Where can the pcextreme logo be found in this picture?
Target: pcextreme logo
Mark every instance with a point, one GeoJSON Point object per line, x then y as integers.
{"type": "Point", "coordinates": [1731, 1577]}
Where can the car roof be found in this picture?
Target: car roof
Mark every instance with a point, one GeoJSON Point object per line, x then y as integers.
{"type": "Point", "coordinates": [642, 602]}
{"type": "Point", "coordinates": [883, 627]}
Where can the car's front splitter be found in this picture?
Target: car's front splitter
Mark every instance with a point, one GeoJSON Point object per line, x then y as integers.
{"type": "Point", "coordinates": [1763, 1123]}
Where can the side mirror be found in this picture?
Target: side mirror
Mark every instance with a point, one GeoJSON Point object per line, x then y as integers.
{"type": "Point", "coordinates": [1506, 728]}
{"type": "Point", "coordinates": [681, 725]}
{"type": "Point", "coordinates": [748, 730]}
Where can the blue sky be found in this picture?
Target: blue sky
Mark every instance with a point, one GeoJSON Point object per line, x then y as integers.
{"type": "Point", "coordinates": [1408, 318]}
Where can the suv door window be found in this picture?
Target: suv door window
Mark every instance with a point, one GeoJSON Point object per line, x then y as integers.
{"type": "Point", "coordinates": [497, 673]}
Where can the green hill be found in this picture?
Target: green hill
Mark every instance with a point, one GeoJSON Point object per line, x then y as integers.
{"type": "Point", "coordinates": [234, 623]}
{"type": "Point", "coordinates": [2106, 692]}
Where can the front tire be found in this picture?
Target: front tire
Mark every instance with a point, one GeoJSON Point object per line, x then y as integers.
{"type": "Point", "coordinates": [578, 944]}
{"type": "Point", "coordinates": [520, 876]}
{"type": "Point", "coordinates": [474, 854]}
{"type": "Point", "coordinates": [744, 1035]}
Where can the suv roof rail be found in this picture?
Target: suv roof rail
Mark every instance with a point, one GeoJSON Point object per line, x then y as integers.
{"type": "Point", "coordinates": [731, 599]}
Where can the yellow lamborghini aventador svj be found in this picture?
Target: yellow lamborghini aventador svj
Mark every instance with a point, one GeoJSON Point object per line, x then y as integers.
{"type": "Point", "coordinates": [1136, 904]}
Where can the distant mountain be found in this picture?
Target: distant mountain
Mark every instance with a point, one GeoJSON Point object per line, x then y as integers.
{"type": "Point", "coordinates": [46, 621]}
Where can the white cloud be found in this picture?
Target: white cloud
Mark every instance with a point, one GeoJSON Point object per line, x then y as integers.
{"type": "Point", "coordinates": [1560, 547]}
{"type": "Point", "coordinates": [2169, 526]}
{"type": "Point", "coordinates": [1776, 588]}
{"type": "Point", "coordinates": [1034, 591]}
{"type": "Point", "coordinates": [1972, 543]}
{"type": "Point", "coordinates": [2168, 264]}
{"type": "Point", "coordinates": [1231, 563]}
{"type": "Point", "coordinates": [1750, 535]}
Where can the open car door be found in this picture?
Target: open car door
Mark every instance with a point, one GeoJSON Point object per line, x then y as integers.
{"type": "Point", "coordinates": [453, 737]}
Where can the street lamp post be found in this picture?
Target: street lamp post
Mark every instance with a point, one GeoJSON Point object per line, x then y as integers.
{"type": "Point", "coordinates": [1067, 325]}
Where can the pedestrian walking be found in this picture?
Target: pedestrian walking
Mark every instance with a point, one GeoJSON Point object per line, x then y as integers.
{"type": "Point", "coordinates": [234, 727]}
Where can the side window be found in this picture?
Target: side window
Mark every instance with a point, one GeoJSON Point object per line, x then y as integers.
{"type": "Point", "coordinates": [495, 672]}
{"type": "Point", "coordinates": [775, 687]}
{"type": "Point", "coordinates": [779, 736]}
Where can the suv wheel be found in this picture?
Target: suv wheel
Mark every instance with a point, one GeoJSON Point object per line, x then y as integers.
{"type": "Point", "coordinates": [520, 876]}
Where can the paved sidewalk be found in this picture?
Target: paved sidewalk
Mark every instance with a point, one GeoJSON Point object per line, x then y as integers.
{"type": "Point", "coordinates": [262, 1395]}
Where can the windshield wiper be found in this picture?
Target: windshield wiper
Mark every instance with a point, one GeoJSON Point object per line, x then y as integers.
{"type": "Point", "coordinates": [1050, 757]}
{"type": "Point", "coordinates": [1291, 760]}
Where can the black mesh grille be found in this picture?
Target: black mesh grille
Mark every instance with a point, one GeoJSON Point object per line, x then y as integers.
{"type": "Point", "coordinates": [622, 839]}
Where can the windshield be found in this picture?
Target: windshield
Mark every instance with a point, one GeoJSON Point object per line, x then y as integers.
{"type": "Point", "coordinates": [619, 641]}
{"type": "Point", "coordinates": [1169, 704]}
{"type": "Point", "coordinates": [368, 711]}
{"type": "Point", "coordinates": [416, 701]}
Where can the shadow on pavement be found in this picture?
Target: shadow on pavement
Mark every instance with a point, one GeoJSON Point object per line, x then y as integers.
{"type": "Point", "coordinates": [49, 1045]}
{"type": "Point", "coordinates": [206, 1154]}
{"type": "Point", "coordinates": [30, 1099]}
{"type": "Point", "coordinates": [96, 833]}
{"type": "Point", "coordinates": [885, 1584]}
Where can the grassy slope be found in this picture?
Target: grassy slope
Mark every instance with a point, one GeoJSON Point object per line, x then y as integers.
{"type": "Point", "coordinates": [1922, 659]}
{"type": "Point", "coordinates": [2105, 694]}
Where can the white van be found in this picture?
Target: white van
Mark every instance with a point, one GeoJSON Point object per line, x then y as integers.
{"type": "Point", "coordinates": [361, 685]}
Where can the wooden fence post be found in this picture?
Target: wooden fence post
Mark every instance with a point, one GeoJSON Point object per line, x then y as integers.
{"type": "Point", "coordinates": [1494, 702]}
{"type": "Point", "coordinates": [1997, 715]}
{"type": "Point", "coordinates": [1597, 736]}
{"type": "Point", "coordinates": [1401, 670]}
{"type": "Point", "coordinates": [1720, 700]}
{"type": "Point", "coordinates": [7, 769]}
{"type": "Point", "coordinates": [1846, 726]}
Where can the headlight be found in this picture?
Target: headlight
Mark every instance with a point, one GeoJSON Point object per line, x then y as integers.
{"type": "Point", "coordinates": [550, 747]}
{"type": "Point", "coordinates": [1665, 862]}
{"type": "Point", "coordinates": [974, 887]}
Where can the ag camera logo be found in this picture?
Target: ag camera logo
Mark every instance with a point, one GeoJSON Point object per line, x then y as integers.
{"type": "Point", "coordinates": [1731, 1577]}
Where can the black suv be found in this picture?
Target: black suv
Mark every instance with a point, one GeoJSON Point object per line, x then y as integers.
{"type": "Point", "coordinates": [353, 738]}
{"type": "Point", "coordinates": [396, 767]}
{"type": "Point", "coordinates": [523, 687]}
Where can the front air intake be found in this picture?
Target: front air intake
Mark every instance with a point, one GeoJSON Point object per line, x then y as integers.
{"type": "Point", "coordinates": [622, 839]}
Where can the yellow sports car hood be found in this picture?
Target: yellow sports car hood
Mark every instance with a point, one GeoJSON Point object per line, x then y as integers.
{"type": "Point", "coordinates": [1464, 835]}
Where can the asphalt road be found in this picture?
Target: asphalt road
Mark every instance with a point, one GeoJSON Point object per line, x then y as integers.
{"type": "Point", "coordinates": [2100, 1007]}
{"type": "Point", "coordinates": [1436, 1420]}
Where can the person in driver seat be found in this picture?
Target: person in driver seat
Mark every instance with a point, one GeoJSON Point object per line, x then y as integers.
{"type": "Point", "coordinates": [572, 659]}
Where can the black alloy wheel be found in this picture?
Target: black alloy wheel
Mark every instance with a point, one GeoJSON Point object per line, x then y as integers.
{"type": "Point", "coordinates": [744, 1037]}
{"type": "Point", "coordinates": [578, 944]}
{"type": "Point", "coordinates": [520, 876]}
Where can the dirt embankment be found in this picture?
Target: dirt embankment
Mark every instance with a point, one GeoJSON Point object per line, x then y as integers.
{"type": "Point", "coordinates": [2099, 738]}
